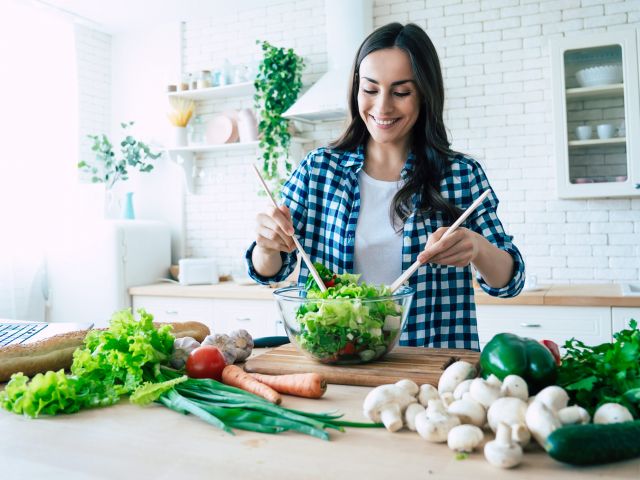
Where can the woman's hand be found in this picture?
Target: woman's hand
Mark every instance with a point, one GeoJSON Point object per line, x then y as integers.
{"type": "Point", "coordinates": [274, 230]}
{"type": "Point", "coordinates": [458, 249]}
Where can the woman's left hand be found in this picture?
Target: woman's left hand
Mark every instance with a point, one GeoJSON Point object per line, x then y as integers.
{"type": "Point", "coordinates": [458, 249]}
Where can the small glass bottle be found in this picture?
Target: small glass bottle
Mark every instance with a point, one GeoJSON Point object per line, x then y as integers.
{"type": "Point", "coordinates": [204, 79]}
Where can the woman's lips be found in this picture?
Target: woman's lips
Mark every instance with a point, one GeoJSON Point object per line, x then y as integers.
{"type": "Point", "coordinates": [384, 123]}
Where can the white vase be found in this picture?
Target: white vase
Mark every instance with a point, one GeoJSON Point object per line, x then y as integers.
{"type": "Point", "coordinates": [180, 136]}
{"type": "Point", "coordinates": [112, 208]}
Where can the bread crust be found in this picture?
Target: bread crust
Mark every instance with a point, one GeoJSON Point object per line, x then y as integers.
{"type": "Point", "coordinates": [56, 352]}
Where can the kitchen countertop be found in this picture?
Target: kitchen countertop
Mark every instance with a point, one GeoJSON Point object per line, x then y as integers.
{"type": "Point", "coordinates": [127, 441]}
{"type": "Point", "coordinates": [595, 295]}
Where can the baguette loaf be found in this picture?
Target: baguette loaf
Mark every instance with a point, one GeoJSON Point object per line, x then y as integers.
{"type": "Point", "coordinates": [56, 352]}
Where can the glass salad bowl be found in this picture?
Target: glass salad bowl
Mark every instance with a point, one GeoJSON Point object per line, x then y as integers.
{"type": "Point", "coordinates": [343, 330]}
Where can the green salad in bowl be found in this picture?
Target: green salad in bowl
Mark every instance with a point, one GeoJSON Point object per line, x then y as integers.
{"type": "Point", "coordinates": [351, 322]}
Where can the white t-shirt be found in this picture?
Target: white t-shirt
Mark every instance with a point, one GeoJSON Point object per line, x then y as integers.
{"type": "Point", "coordinates": [378, 248]}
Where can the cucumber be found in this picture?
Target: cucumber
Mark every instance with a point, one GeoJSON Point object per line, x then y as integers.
{"type": "Point", "coordinates": [595, 444]}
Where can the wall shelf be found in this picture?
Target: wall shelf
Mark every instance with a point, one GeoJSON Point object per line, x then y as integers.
{"type": "Point", "coordinates": [603, 91]}
{"type": "Point", "coordinates": [234, 90]}
{"type": "Point", "coordinates": [597, 141]}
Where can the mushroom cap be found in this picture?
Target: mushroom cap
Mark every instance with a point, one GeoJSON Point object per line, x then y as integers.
{"type": "Point", "coordinates": [484, 392]}
{"type": "Point", "coordinates": [541, 421]}
{"type": "Point", "coordinates": [383, 395]}
{"type": "Point", "coordinates": [408, 386]}
{"type": "Point", "coordinates": [612, 413]}
{"type": "Point", "coordinates": [427, 392]}
{"type": "Point", "coordinates": [410, 415]}
{"type": "Point", "coordinates": [510, 410]}
{"type": "Point", "coordinates": [554, 397]}
{"type": "Point", "coordinates": [454, 374]}
{"type": "Point", "coordinates": [468, 411]}
{"type": "Point", "coordinates": [515, 386]}
{"type": "Point", "coordinates": [464, 438]}
{"type": "Point", "coordinates": [462, 388]}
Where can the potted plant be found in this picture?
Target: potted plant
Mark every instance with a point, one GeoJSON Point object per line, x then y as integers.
{"type": "Point", "coordinates": [277, 86]}
{"type": "Point", "coordinates": [108, 168]}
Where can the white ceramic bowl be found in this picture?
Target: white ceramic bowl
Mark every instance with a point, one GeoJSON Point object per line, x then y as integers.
{"type": "Point", "coordinates": [599, 75]}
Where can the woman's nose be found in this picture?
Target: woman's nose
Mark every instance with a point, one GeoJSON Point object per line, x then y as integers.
{"type": "Point", "coordinates": [383, 103]}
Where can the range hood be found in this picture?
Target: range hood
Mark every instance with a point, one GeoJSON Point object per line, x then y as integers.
{"type": "Point", "coordinates": [348, 22]}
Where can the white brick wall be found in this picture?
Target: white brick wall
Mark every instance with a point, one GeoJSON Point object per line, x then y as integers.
{"type": "Point", "coordinates": [93, 53]}
{"type": "Point", "coordinates": [495, 59]}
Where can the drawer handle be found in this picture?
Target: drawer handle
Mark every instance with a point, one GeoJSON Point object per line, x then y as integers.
{"type": "Point", "coordinates": [530, 325]}
{"type": "Point", "coordinates": [243, 319]}
{"type": "Point", "coordinates": [171, 312]}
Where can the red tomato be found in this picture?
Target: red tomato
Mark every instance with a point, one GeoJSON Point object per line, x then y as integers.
{"type": "Point", "coordinates": [205, 362]}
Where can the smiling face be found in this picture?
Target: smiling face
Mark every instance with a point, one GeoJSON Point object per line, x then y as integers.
{"type": "Point", "coordinates": [388, 99]}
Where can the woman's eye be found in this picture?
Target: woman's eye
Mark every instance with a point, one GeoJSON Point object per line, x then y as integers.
{"type": "Point", "coordinates": [370, 92]}
{"type": "Point", "coordinates": [402, 94]}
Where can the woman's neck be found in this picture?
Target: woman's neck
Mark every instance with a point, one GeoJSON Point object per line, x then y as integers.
{"type": "Point", "coordinates": [385, 162]}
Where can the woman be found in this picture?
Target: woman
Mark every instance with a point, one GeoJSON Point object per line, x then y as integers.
{"type": "Point", "coordinates": [384, 193]}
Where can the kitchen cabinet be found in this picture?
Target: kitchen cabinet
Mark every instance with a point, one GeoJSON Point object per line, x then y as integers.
{"type": "Point", "coordinates": [258, 317]}
{"type": "Point", "coordinates": [595, 83]}
{"type": "Point", "coordinates": [620, 317]}
{"type": "Point", "coordinates": [591, 325]}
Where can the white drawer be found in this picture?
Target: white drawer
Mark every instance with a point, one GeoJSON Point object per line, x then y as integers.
{"type": "Point", "coordinates": [258, 317]}
{"type": "Point", "coordinates": [591, 325]}
{"type": "Point", "coordinates": [177, 309]}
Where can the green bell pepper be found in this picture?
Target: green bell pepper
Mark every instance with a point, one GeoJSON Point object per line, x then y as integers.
{"type": "Point", "coordinates": [509, 354]}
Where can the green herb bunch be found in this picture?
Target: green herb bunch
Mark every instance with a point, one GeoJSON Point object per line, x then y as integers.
{"type": "Point", "coordinates": [277, 86]}
{"type": "Point", "coordinates": [108, 169]}
{"type": "Point", "coordinates": [610, 372]}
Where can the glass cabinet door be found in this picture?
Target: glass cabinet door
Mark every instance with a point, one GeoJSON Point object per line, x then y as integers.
{"type": "Point", "coordinates": [596, 115]}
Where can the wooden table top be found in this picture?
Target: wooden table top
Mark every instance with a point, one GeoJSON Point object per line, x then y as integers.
{"type": "Point", "coordinates": [127, 441]}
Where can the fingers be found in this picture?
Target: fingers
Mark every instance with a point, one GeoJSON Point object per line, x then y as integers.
{"type": "Point", "coordinates": [274, 229]}
{"type": "Point", "coordinates": [453, 250]}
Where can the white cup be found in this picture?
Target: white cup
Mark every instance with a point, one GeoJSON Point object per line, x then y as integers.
{"type": "Point", "coordinates": [606, 130]}
{"type": "Point", "coordinates": [583, 132]}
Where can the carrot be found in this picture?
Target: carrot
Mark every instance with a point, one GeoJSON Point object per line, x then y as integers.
{"type": "Point", "coordinates": [309, 385]}
{"type": "Point", "coordinates": [236, 377]}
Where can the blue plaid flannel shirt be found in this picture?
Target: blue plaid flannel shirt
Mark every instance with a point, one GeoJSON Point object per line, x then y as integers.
{"type": "Point", "coordinates": [324, 199]}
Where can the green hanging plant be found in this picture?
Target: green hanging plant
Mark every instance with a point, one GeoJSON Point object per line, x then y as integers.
{"type": "Point", "coordinates": [277, 86]}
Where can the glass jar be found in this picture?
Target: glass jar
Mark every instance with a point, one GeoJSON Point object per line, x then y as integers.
{"type": "Point", "coordinates": [185, 82]}
{"type": "Point", "coordinates": [204, 79]}
{"type": "Point", "coordinates": [196, 131]}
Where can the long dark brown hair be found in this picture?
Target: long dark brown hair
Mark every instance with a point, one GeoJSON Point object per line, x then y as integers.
{"type": "Point", "coordinates": [429, 141]}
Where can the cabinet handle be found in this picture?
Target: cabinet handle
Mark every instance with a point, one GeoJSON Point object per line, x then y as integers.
{"type": "Point", "coordinates": [171, 312]}
{"type": "Point", "coordinates": [530, 325]}
{"type": "Point", "coordinates": [637, 185]}
{"type": "Point", "coordinates": [243, 319]}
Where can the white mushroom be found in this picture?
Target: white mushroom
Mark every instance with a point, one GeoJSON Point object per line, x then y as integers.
{"type": "Point", "coordinates": [410, 414]}
{"type": "Point", "coordinates": [454, 374]}
{"type": "Point", "coordinates": [514, 386]}
{"type": "Point", "coordinates": [612, 413]}
{"type": "Point", "coordinates": [464, 438]}
{"type": "Point", "coordinates": [573, 415]}
{"type": "Point", "coordinates": [434, 425]}
{"type": "Point", "coordinates": [553, 397]}
{"type": "Point", "coordinates": [541, 421]}
{"type": "Point", "coordinates": [386, 404]}
{"type": "Point", "coordinates": [484, 391]}
{"type": "Point", "coordinates": [447, 398]}
{"type": "Point", "coordinates": [462, 388]}
{"type": "Point", "coordinates": [468, 411]}
{"type": "Point", "coordinates": [503, 452]}
{"type": "Point", "coordinates": [512, 411]}
{"type": "Point", "coordinates": [408, 386]}
{"type": "Point", "coordinates": [427, 392]}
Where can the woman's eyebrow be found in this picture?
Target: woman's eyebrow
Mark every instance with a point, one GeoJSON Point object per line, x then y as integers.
{"type": "Point", "coordinates": [399, 82]}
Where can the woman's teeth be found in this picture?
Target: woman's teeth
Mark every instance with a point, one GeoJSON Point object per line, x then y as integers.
{"type": "Point", "coordinates": [384, 122]}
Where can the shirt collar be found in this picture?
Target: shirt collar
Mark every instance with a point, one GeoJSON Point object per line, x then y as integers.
{"type": "Point", "coordinates": [356, 159]}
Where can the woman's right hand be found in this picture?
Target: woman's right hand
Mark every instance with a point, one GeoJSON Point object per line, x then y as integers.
{"type": "Point", "coordinates": [274, 231]}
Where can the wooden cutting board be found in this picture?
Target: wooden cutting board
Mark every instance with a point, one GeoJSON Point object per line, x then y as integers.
{"type": "Point", "coordinates": [422, 365]}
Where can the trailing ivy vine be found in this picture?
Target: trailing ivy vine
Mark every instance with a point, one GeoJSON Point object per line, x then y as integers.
{"type": "Point", "coordinates": [277, 86]}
